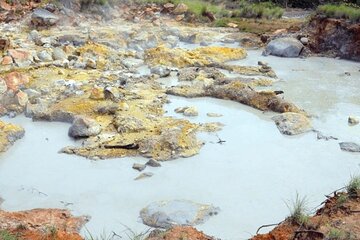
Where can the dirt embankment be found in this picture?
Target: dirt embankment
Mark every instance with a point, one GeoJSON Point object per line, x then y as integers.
{"type": "Point", "coordinates": [336, 37]}
{"type": "Point", "coordinates": [338, 219]}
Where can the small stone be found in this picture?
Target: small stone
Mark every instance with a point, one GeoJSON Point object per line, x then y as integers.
{"type": "Point", "coordinates": [84, 127]}
{"type": "Point", "coordinates": [349, 147]}
{"type": "Point", "coordinates": [180, 109]}
{"type": "Point", "coordinates": [139, 167]}
{"type": "Point", "coordinates": [97, 93]}
{"type": "Point", "coordinates": [3, 87]}
{"type": "Point", "coordinates": [7, 60]}
{"type": "Point", "coordinates": [21, 98]}
{"type": "Point", "coordinates": [162, 71]}
{"type": "Point", "coordinates": [44, 56]}
{"type": "Point", "coordinates": [191, 112]}
{"type": "Point", "coordinates": [144, 175]}
{"type": "Point", "coordinates": [214, 115]}
{"type": "Point", "coordinates": [153, 163]}
{"type": "Point", "coordinates": [59, 54]}
{"type": "Point", "coordinates": [15, 79]}
{"type": "Point", "coordinates": [292, 123]}
{"type": "Point", "coordinates": [353, 121]}
{"type": "Point", "coordinates": [180, 9]}
{"type": "Point", "coordinates": [262, 63]}
{"type": "Point", "coordinates": [304, 40]}
{"type": "Point", "coordinates": [90, 63]}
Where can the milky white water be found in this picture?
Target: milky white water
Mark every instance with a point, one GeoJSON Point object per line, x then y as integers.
{"type": "Point", "coordinates": [250, 176]}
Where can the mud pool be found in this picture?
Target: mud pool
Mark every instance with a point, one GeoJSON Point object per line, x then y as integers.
{"type": "Point", "coordinates": [250, 176]}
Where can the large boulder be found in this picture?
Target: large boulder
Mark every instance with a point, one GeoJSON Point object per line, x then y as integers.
{"type": "Point", "coordinates": [43, 18]}
{"type": "Point", "coordinates": [166, 214]}
{"type": "Point", "coordinates": [284, 47]}
{"type": "Point", "coordinates": [84, 127]}
{"type": "Point", "coordinates": [292, 123]}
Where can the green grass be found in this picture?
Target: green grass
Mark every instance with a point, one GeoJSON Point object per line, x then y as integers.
{"type": "Point", "coordinates": [298, 210]}
{"type": "Point", "coordinates": [338, 234]}
{"type": "Point", "coordinates": [5, 235]}
{"type": "Point", "coordinates": [196, 7]}
{"type": "Point", "coordinates": [266, 10]}
{"type": "Point", "coordinates": [341, 200]}
{"type": "Point", "coordinates": [340, 11]}
{"type": "Point", "coordinates": [353, 186]}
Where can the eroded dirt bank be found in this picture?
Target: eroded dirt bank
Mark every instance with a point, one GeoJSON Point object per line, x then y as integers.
{"type": "Point", "coordinates": [336, 37]}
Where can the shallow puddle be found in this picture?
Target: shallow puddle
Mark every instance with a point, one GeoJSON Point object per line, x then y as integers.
{"type": "Point", "coordinates": [250, 176]}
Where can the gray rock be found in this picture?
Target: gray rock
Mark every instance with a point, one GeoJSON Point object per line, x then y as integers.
{"type": "Point", "coordinates": [353, 121]}
{"type": "Point", "coordinates": [139, 167]}
{"type": "Point", "coordinates": [153, 163]}
{"type": "Point", "coordinates": [144, 175]}
{"type": "Point", "coordinates": [304, 40]}
{"type": "Point", "coordinates": [292, 123]}
{"type": "Point", "coordinates": [132, 62]}
{"type": "Point", "coordinates": [59, 54]}
{"type": "Point", "coordinates": [43, 18]}
{"type": "Point", "coordinates": [84, 127]}
{"type": "Point", "coordinates": [284, 47]}
{"type": "Point", "coordinates": [44, 56]}
{"type": "Point", "coordinates": [349, 147]}
{"type": "Point", "coordinates": [32, 93]}
{"type": "Point", "coordinates": [166, 214]}
{"type": "Point", "coordinates": [162, 71]}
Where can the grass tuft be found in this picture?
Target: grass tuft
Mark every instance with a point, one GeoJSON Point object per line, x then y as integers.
{"type": "Point", "coordinates": [340, 11]}
{"type": "Point", "coordinates": [298, 210]}
{"type": "Point", "coordinates": [353, 186]}
{"type": "Point", "coordinates": [5, 235]}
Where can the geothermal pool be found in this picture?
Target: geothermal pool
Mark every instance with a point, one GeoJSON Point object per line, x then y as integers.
{"type": "Point", "coordinates": [250, 177]}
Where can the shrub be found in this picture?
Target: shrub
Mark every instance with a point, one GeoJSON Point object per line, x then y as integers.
{"type": "Point", "coordinates": [258, 10]}
{"type": "Point", "coordinates": [340, 11]}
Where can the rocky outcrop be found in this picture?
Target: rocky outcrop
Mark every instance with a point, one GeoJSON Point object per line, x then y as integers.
{"type": "Point", "coordinates": [177, 233]}
{"type": "Point", "coordinates": [42, 224]}
{"type": "Point", "coordinates": [284, 47]}
{"type": "Point", "coordinates": [43, 18]}
{"type": "Point", "coordinates": [166, 214]}
{"type": "Point", "coordinates": [335, 37]}
{"type": "Point", "coordinates": [84, 127]}
{"type": "Point", "coordinates": [349, 147]}
{"type": "Point", "coordinates": [292, 123]}
{"type": "Point", "coordinates": [9, 133]}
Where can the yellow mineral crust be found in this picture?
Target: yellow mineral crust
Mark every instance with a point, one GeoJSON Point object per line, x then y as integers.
{"type": "Point", "coordinates": [202, 56]}
{"type": "Point", "coordinates": [9, 133]}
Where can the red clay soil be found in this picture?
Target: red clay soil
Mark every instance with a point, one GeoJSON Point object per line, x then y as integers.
{"type": "Point", "coordinates": [179, 233]}
{"type": "Point", "coordinates": [16, 10]}
{"type": "Point", "coordinates": [42, 224]}
{"type": "Point", "coordinates": [340, 215]}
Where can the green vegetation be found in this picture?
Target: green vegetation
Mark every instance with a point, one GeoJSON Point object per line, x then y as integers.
{"type": "Point", "coordinates": [197, 7]}
{"type": "Point", "coordinates": [89, 2]}
{"type": "Point", "coordinates": [340, 11]}
{"type": "Point", "coordinates": [353, 186]}
{"type": "Point", "coordinates": [258, 10]}
{"type": "Point", "coordinates": [5, 235]}
{"type": "Point", "coordinates": [298, 211]}
{"type": "Point", "coordinates": [341, 200]}
{"type": "Point", "coordinates": [338, 234]}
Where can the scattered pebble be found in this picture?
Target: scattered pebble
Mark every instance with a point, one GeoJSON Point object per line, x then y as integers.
{"type": "Point", "coordinates": [139, 167]}
{"type": "Point", "coordinates": [144, 175]}
{"type": "Point", "coordinates": [153, 163]}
